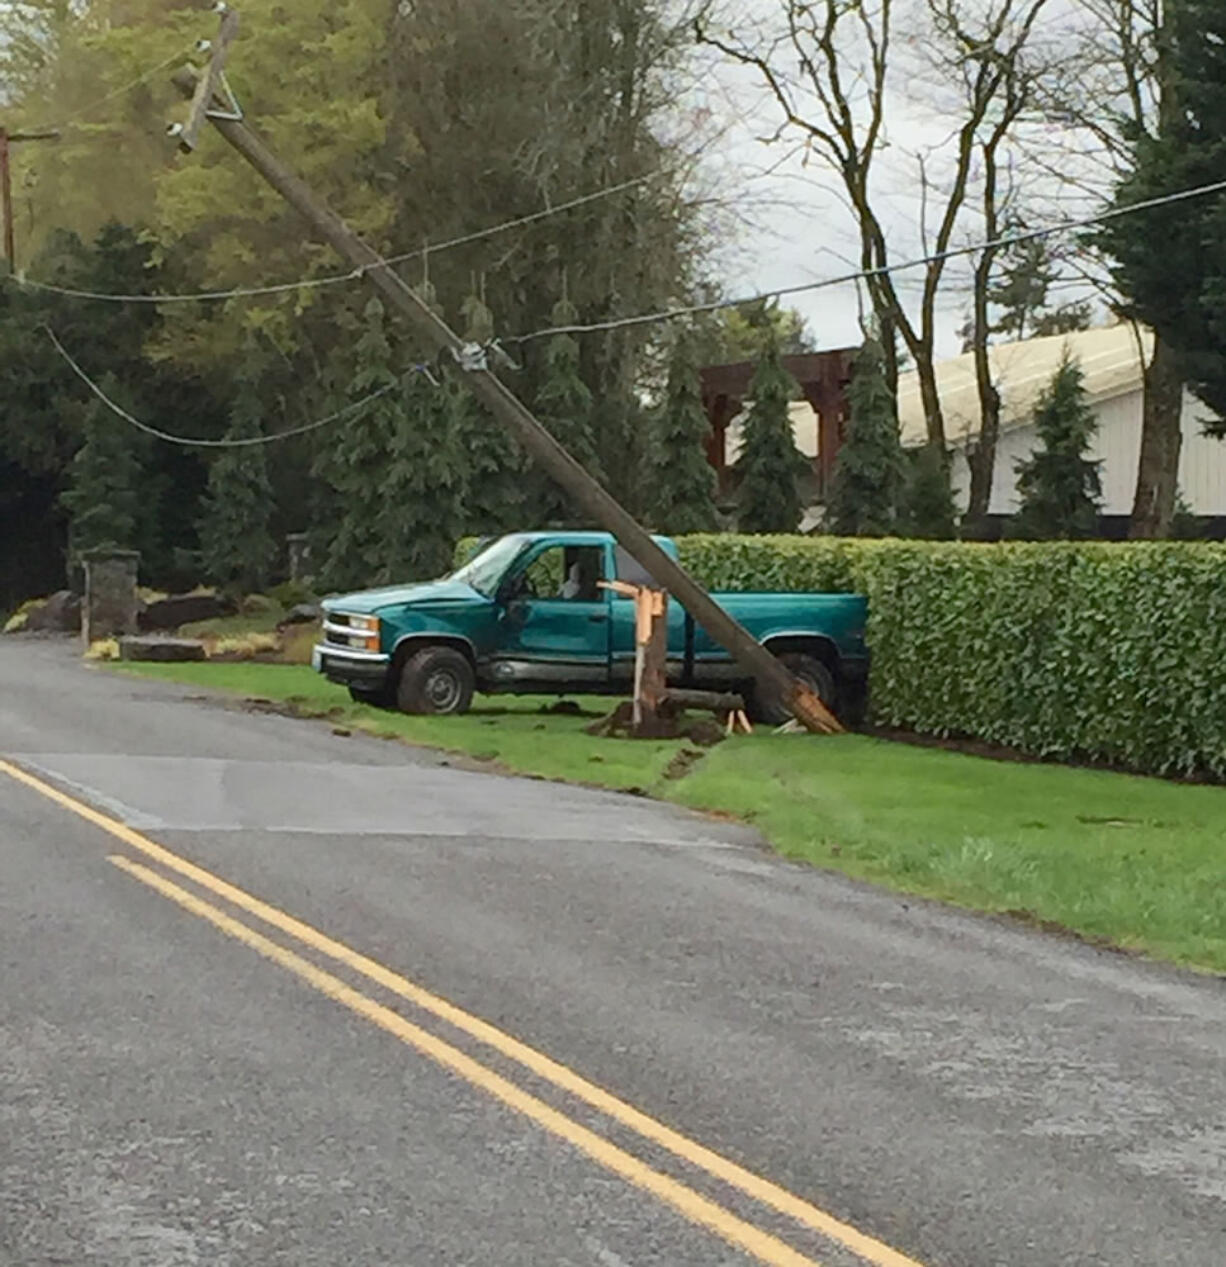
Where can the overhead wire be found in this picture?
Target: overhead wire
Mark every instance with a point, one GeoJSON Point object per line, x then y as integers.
{"type": "Point", "coordinates": [612, 324]}
{"type": "Point", "coordinates": [191, 442]}
{"type": "Point", "coordinates": [308, 282]}
{"type": "Point", "coordinates": [333, 279]}
{"type": "Point", "coordinates": [781, 292]}
{"type": "Point", "coordinates": [77, 120]}
{"type": "Point", "coordinates": [671, 314]}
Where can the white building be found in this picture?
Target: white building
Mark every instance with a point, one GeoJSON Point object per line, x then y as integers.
{"type": "Point", "coordinates": [1112, 360]}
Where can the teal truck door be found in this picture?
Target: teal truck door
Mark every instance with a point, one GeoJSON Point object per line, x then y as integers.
{"type": "Point", "coordinates": [555, 620]}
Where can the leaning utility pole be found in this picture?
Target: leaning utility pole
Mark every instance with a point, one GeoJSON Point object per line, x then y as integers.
{"type": "Point", "coordinates": [587, 493]}
{"type": "Point", "coordinates": [8, 138]}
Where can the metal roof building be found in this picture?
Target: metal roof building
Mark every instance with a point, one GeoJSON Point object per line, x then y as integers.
{"type": "Point", "coordinates": [1113, 360]}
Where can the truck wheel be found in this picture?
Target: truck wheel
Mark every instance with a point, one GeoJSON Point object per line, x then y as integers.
{"type": "Point", "coordinates": [437, 680]}
{"type": "Point", "coordinates": [813, 673]}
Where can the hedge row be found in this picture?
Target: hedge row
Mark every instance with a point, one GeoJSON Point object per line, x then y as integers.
{"type": "Point", "coordinates": [1111, 652]}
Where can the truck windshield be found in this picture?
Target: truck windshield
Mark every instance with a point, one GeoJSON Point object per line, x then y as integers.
{"type": "Point", "coordinates": [489, 567]}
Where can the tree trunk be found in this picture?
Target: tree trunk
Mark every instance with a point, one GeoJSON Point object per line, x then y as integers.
{"type": "Point", "coordinates": [889, 346]}
{"type": "Point", "coordinates": [1161, 441]}
{"type": "Point", "coordinates": [981, 456]}
{"type": "Point", "coordinates": [934, 416]}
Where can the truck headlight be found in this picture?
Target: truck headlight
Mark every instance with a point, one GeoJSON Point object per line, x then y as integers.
{"type": "Point", "coordinates": [366, 632]}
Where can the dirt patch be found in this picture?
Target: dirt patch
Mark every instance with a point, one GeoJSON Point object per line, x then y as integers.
{"type": "Point", "coordinates": [683, 762]}
{"type": "Point", "coordinates": [566, 708]}
{"type": "Point", "coordinates": [703, 731]}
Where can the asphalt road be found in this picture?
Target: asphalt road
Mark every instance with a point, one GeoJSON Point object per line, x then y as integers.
{"type": "Point", "coordinates": [269, 995]}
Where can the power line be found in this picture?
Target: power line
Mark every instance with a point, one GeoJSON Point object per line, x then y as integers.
{"type": "Point", "coordinates": [117, 92]}
{"type": "Point", "coordinates": [1014, 239]}
{"type": "Point", "coordinates": [332, 279]}
{"type": "Point", "coordinates": [188, 441]}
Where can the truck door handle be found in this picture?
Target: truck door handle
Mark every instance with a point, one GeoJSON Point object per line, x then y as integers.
{"type": "Point", "coordinates": [598, 619]}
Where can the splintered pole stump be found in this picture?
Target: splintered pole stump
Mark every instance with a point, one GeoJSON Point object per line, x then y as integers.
{"type": "Point", "coordinates": [650, 657]}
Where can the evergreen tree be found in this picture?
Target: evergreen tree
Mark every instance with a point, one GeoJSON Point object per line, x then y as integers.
{"type": "Point", "coordinates": [1025, 276]}
{"type": "Point", "coordinates": [870, 469]}
{"type": "Point", "coordinates": [397, 468]}
{"type": "Point", "coordinates": [681, 486]}
{"type": "Point", "coordinates": [103, 498]}
{"type": "Point", "coordinates": [564, 406]}
{"type": "Point", "coordinates": [1170, 261]}
{"type": "Point", "coordinates": [741, 334]}
{"type": "Point", "coordinates": [928, 501]}
{"type": "Point", "coordinates": [498, 496]}
{"type": "Point", "coordinates": [1059, 486]}
{"type": "Point", "coordinates": [236, 544]}
{"type": "Point", "coordinates": [768, 497]}
{"type": "Point", "coordinates": [427, 480]}
{"type": "Point", "coordinates": [1186, 525]}
{"type": "Point", "coordinates": [1067, 319]}
{"type": "Point", "coordinates": [354, 463]}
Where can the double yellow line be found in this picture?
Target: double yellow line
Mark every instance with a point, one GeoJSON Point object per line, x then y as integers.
{"type": "Point", "coordinates": [760, 1245]}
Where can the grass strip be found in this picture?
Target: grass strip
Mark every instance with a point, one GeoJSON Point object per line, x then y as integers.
{"type": "Point", "coordinates": [1135, 863]}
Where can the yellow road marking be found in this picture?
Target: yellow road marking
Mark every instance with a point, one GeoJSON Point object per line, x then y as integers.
{"type": "Point", "coordinates": [695, 1207]}
{"type": "Point", "coordinates": [760, 1189]}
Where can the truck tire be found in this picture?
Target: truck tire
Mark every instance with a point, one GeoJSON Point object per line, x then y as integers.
{"type": "Point", "coordinates": [436, 681]}
{"type": "Point", "coordinates": [813, 673]}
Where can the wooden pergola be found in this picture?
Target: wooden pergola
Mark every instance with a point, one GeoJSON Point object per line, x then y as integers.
{"type": "Point", "coordinates": [823, 379]}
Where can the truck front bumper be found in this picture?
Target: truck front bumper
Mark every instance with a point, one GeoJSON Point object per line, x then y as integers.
{"type": "Point", "coordinates": [348, 667]}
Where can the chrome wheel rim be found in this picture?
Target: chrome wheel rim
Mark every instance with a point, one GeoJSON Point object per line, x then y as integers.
{"type": "Point", "coordinates": [443, 690]}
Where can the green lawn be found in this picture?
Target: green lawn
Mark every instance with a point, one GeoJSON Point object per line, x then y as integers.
{"type": "Point", "coordinates": [235, 626]}
{"type": "Point", "coordinates": [1135, 862]}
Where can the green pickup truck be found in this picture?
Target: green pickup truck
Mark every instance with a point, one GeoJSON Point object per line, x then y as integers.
{"type": "Point", "coordinates": [528, 615]}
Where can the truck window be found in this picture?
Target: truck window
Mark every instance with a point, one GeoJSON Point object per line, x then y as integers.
{"type": "Point", "coordinates": [567, 572]}
{"type": "Point", "coordinates": [629, 569]}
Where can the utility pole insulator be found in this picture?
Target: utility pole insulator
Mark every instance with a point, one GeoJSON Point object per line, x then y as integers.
{"type": "Point", "coordinates": [471, 358]}
{"type": "Point", "coordinates": [211, 82]}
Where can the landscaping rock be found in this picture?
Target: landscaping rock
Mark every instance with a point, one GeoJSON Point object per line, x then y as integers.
{"type": "Point", "coordinates": [61, 613]}
{"type": "Point", "coordinates": [184, 609]}
{"type": "Point", "coordinates": [303, 614]}
{"type": "Point", "coordinates": [161, 650]}
{"type": "Point", "coordinates": [258, 605]}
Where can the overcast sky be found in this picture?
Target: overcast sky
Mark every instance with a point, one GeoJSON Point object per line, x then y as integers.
{"type": "Point", "coordinates": [801, 230]}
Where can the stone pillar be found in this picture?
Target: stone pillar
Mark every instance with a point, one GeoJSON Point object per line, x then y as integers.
{"type": "Point", "coordinates": [111, 602]}
{"type": "Point", "coordinates": [299, 549]}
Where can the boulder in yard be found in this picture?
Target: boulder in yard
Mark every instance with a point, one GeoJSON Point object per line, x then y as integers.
{"type": "Point", "coordinates": [161, 650]}
{"type": "Point", "coordinates": [302, 614]}
{"type": "Point", "coordinates": [61, 613]}
{"type": "Point", "coordinates": [185, 609]}
{"type": "Point", "coordinates": [259, 605]}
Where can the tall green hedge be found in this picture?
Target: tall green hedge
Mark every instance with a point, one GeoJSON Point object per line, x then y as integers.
{"type": "Point", "coordinates": [1112, 652]}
